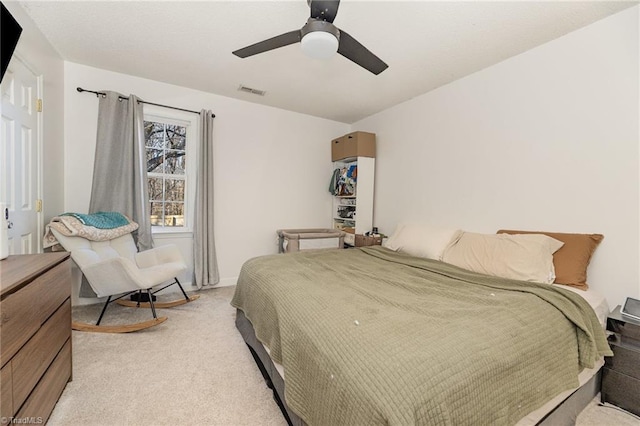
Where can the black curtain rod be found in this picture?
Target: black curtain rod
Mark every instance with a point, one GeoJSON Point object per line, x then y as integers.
{"type": "Point", "coordinates": [80, 89]}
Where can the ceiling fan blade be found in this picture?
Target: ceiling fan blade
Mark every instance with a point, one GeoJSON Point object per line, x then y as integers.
{"type": "Point", "coordinates": [273, 43]}
{"type": "Point", "coordinates": [325, 10]}
{"type": "Point", "coordinates": [351, 49]}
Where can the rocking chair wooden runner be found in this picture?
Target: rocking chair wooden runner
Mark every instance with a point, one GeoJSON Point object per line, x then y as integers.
{"type": "Point", "coordinates": [114, 269]}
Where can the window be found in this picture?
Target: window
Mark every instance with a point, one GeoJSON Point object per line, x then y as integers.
{"type": "Point", "coordinates": [167, 146]}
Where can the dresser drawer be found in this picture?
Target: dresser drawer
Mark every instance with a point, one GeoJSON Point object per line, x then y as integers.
{"type": "Point", "coordinates": [35, 357]}
{"type": "Point", "coordinates": [621, 390]}
{"type": "Point", "coordinates": [20, 320]}
{"type": "Point", "coordinates": [45, 395]}
{"type": "Point", "coordinates": [6, 400]}
{"type": "Point", "coordinates": [627, 329]}
{"type": "Point", "coordinates": [625, 360]}
{"type": "Point", "coordinates": [54, 288]}
{"type": "Point", "coordinates": [24, 311]}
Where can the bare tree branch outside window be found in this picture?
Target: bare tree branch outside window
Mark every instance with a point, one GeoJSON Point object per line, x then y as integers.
{"type": "Point", "coordinates": [166, 150]}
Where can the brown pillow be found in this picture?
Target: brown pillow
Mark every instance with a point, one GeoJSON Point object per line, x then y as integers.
{"type": "Point", "coordinates": [572, 260]}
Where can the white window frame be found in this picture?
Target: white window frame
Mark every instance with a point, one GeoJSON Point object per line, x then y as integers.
{"type": "Point", "coordinates": [191, 122]}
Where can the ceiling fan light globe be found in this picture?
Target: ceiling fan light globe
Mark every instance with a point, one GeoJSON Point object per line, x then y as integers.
{"type": "Point", "coordinates": [319, 44]}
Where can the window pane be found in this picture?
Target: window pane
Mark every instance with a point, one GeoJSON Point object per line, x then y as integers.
{"type": "Point", "coordinates": [176, 136]}
{"type": "Point", "coordinates": [156, 214]}
{"type": "Point", "coordinates": [174, 214]}
{"type": "Point", "coordinates": [155, 189]}
{"type": "Point", "coordinates": [174, 162]}
{"type": "Point", "coordinates": [154, 134]}
{"type": "Point", "coordinates": [174, 190]}
{"type": "Point", "coordinates": [155, 160]}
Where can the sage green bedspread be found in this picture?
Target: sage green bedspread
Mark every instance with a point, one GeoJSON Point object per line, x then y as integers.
{"type": "Point", "coordinates": [373, 337]}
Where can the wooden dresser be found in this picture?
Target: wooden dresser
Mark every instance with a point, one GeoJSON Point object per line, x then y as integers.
{"type": "Point", "coordinates": [35, 330]}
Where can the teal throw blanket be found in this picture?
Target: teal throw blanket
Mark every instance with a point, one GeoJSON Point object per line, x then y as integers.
{"type": "Point", "coordinates": [101, 220]}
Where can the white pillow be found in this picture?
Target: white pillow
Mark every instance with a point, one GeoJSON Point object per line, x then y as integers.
{"type": "Point", "coordinates": [422, 240]}
{"type": "Point", "coordinates": [525, 257]}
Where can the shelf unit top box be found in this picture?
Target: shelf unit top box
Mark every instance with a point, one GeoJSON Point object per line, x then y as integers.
{"type": "Point", "coordinates": [355, 144]}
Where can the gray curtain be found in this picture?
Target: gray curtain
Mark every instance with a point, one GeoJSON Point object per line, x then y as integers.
{"type": "Point", "coordinates": [204, 250]}
{"type": "Point", "coordinates": [120, 170]}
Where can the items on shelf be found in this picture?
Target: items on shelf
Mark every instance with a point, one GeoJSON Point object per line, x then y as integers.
{"type": "Point", "coordinates": [347, 212]}
{"type": "Point", "coordinates": [343, 181]}
{"type": "Point", "coordinates": [374, 233]}
{"type": "Point", "coordinates": [346, 226]}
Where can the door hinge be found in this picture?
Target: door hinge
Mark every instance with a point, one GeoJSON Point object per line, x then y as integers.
{"type": "Point", "coordinates": [38, 205]}
{"type": "Point", "coordinates": [39, 105]}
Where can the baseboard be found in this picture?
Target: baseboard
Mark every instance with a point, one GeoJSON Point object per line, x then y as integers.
{"type": "Point", "coordinates": [227, 282]}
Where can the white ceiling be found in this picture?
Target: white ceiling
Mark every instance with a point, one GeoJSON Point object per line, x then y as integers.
{"type": "Point", "coordinates": [188, 43]}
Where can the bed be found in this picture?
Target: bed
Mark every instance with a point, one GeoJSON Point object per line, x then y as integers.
{"type": "Point", "coordinates": [377, 336]}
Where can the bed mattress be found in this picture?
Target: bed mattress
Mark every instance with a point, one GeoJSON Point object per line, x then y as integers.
{"type": "Point", "coordinates": [598, 305]}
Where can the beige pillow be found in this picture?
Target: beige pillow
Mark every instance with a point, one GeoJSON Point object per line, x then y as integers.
{"type": "Point", "coordinates": [519, 257]}
{"type": "Point", "coordinates": [420, 240]}
{"type": "Point", "coordinates": [572, 260]}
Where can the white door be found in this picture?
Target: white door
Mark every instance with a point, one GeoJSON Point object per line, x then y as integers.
{"type": "Point", "coordinates": [19, 154]}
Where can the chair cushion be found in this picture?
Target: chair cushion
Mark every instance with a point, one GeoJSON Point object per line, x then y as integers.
{"type": "Point", "coordinates": [159, 274]}
{"type": "Point", "coordinates": [85, 252]}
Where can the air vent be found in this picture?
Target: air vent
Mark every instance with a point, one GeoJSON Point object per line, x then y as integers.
{"type": "Point", "coordinates": [250, 90]}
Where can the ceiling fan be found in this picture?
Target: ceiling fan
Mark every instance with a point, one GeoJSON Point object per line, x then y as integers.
{"type": "Point", "coordinates": [320, 39]}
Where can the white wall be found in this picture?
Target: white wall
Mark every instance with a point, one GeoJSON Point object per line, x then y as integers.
{"type": "Point", "coordinates": [272, 167]}
{"type": "Point", "coordinates": [547, 140]}
{"type": "Point", "coordinates": [34, 49]}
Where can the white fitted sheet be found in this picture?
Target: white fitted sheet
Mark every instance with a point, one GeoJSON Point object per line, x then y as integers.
{"type": "Point", "coordinates": [596, 300]}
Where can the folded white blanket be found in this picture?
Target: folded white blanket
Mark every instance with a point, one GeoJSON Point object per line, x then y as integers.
{"type": "Point", "coordinates": [72, 227]}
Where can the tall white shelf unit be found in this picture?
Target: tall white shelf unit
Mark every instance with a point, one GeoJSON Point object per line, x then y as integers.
{"type": "Point", "coordinates": [357, 148]}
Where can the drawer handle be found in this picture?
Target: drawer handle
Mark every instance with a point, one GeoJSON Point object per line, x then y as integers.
{"type": "Point", "coordinates": [5, 318]}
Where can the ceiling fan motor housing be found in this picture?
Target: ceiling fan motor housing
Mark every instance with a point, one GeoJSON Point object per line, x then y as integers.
{"type": "Point", "coordinates": [313, 25]}
{"type": "Point", "coordinates": [320, 39]}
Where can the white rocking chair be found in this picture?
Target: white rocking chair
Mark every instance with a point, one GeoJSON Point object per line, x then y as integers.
{"type": "Point", "coordinates": [115, 269]}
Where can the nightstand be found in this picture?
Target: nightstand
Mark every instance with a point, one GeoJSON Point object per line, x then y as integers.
{"type": "Point", "coordinates": [621, 372]}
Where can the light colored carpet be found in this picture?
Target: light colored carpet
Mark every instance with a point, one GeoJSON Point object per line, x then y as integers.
{"type": "Point", "coordinates": [607, 415]}
{"type": "Point", "coordinates": [192, 369]}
